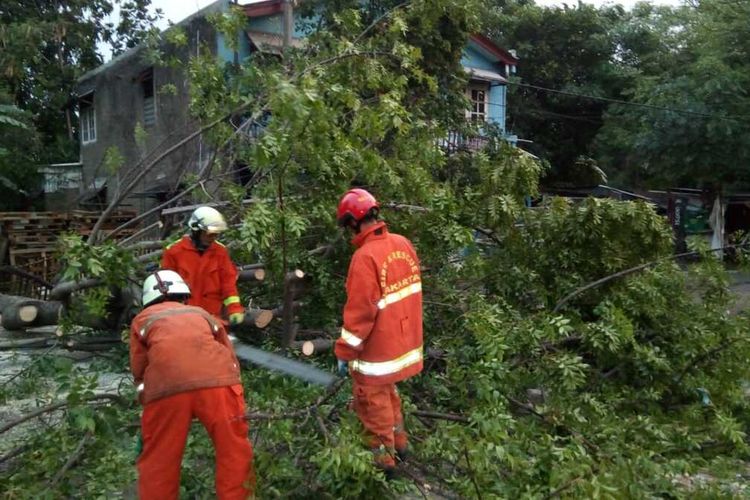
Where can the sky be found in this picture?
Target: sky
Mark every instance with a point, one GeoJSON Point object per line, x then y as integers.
{"type": "Point", "coordinates": [177, 10]}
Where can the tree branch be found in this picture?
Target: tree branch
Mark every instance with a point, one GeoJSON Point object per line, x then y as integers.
{"type": "Point", "coordinates": [57, 406]}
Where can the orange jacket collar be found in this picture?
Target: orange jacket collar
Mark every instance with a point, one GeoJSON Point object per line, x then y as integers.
{"type": "Point", "coordinates": [362, 237]}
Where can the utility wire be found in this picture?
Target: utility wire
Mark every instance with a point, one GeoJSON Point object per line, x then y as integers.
{"type": "Point", "coordinates": [629, 103]}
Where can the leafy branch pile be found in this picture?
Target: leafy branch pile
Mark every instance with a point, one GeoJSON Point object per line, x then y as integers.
{"type": "Point", "coordinates": [616, 393]}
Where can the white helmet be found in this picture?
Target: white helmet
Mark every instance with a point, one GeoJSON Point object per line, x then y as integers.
{"type": "Point", "coordinates": [163, 284]}
{"type": "Point", "coordinates": [207, 219]}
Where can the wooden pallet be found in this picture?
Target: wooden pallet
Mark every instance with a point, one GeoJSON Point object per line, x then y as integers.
{"type": "Point", "coordinates": [33, 236]}
{"type": "Point", "coordinates": [41, 262]}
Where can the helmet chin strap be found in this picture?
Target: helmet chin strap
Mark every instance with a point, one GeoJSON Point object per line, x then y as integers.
{"type": "Point", "coordinates": [195, 235]}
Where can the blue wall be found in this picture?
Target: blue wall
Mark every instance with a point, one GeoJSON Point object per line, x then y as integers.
{"type": "Point", "coordinates": [472, 58]}
{"type": "Point", "coordinates": [496, 111]}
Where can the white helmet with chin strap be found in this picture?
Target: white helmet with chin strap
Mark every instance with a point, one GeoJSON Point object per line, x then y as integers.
{"type": "Point", "coordinates": [207, 219]}
{"type": "Point", "coordinates": [164, 284]}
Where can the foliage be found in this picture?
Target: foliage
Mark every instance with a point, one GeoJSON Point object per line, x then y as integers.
{"type": "Point", "coordinates": [47, 45]}
{"type": "Point", "coordinates": [19, 153]}
{"type": "Point", "coordinates": [705, 76]}
{"type": "Point", "coordinates": [114, 266]}
{"type": "Point", "coordinates": [617, 392]}
{"type": "Point", "coordinates": [566, 49]}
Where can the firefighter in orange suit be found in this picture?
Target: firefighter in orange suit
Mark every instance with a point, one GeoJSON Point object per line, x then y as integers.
{"type": "Point", "coordinates": [184, 366]}
{"type": "Point", "coordinates": [205, 265]}
{"type": "Point", "coordinates": [381, 338]}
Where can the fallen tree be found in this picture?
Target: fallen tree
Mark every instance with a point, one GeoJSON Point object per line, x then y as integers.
{"type": "Point", "coordinates": [544, 386]}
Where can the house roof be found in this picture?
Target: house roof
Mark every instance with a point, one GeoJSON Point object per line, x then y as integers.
{"type": "Point", "coordinates": [492, 50]}
{"type": "Point", "coordinates": [262, 9]}
{"type": "Point", "coordinates": [218, 5]}
{"type": "Point", "coordinates": [272, 43]}
{"type": "Point", "coordinates": [485, 75]}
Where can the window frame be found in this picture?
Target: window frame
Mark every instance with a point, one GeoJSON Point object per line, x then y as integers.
{"type": "Point", "coordinates": [148, 94]}
{"type": "Point", "coordinates": [87, 118]}
{"type": "Point", "coordinates": [473, 114]}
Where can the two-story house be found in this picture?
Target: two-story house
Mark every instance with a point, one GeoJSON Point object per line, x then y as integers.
{"type": "Point", "coordinates": [128, 93]}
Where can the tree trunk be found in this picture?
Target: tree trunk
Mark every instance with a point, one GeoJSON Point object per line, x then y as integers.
{"type": "Point", "coordinates": [259, 318]}
{"type": "Point", "coordinates": [20, 313]}
{"type": "Point", "coordinates": [292, 285]}
{"type": "Point", "coordinates": [257, 274]}
{"type": "Point", "coordinates": [29, 313]}
{"type": "Point", "coordinates": [313, 346]}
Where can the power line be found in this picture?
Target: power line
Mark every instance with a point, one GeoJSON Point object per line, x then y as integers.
{"type": "Point", "coordinates": [629, 103]}
{"type": "Point", "coordinates": [581, 117]}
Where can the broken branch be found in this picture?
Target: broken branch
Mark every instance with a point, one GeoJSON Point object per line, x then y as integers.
{"type": "Point", "coordinates": [57, 406]}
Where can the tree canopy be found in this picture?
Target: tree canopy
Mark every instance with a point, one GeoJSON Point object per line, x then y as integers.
{"type": "Point", "coordinates": [44, 47]}
{"type": "Point", "coordinates": [570, 355]}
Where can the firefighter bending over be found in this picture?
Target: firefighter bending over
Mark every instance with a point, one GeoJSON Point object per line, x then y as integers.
{"type": "Point", "coordinates": [184, 367]}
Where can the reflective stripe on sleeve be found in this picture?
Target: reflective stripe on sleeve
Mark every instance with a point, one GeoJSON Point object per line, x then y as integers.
{"type": "Point", "coordinates": [394, 297]}
{"type": "Point", "coordinates": [140, 387]}
{"type": "Point", "coordinates": [387, 367]}
{"type": "Point", "coordinates": [232, 299]}
{"type": "Point", "coordinates": [350, 338]}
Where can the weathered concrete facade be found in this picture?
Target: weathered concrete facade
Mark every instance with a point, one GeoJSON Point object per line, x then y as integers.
{"type": "Point", "coordinates": [130, 93]}
{"type": "Point", "coordinates": [118, 96]}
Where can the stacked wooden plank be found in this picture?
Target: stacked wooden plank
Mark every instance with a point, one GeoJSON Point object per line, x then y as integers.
{"type": "Point", "coordinates": [30, 238]}
{"type": "Point", "coordinates": [82, 222]}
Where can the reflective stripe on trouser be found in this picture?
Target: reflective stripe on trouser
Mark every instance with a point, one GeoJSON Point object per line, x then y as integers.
{"type": "Point", "coordinates": [379, 409]}
{"type": "Point", "coordinates": [165, 425]}
{"type": "Point", "coordinates": [382, 368]}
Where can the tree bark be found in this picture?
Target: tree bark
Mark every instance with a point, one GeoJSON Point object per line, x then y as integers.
{"type": "Point", "coordinates": [20, 313]}
{"type": "Point", "coordinates": [292, 285]}
{"type": "Point", "coordinates": [258, 274]}
{"type": "Point", "coordinates": [259, 318]}
{"type": "Point", "coordinates": [313, 346]}
{"type": "Point", "coordinates": [29, 313]}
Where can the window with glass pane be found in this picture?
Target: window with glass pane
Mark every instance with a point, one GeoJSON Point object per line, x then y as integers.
{"type": "Point", "coordinates": [478, 111]}
{"type": "Point", "coordinates": [87, 119]}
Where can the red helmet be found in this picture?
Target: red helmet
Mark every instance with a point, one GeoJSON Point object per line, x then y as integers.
{"type": "Point", "coordinates": [355, 205]}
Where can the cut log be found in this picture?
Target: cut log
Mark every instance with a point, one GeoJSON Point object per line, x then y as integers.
{"type": "Point", "coordinates": [31, 313]}
{"type": "Point", "coordinates": [292, 286]}
{"type": "Point", "coordinates": [314, 346]}
{"type": "Point", "coordinates": [259, 318]}
{"type": "Point", "coordinates": [27, 313]}
{"type": "Point", "coordinates": [20, 313]}
{"type": "Point", "coordinates": [258, 274]}
{"type": "Point", "coordinates": [255, 319]}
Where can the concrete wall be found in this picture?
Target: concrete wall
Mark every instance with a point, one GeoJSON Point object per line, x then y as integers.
{"type": "Point", "coordinates": [119, 107]}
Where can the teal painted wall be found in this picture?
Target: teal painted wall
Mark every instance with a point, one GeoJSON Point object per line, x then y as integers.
{"type": "Point", "coordinates": [473, 59]}
{"type": "Point", "coordinates": [496, 111]}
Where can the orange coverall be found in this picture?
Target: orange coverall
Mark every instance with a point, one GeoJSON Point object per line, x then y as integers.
{"type": "Point", "coordinates": [211, 276]}
{"type": "Point", "coordinates": [382, 334]}
{"type": "Point", "coordinates": [185, 367]}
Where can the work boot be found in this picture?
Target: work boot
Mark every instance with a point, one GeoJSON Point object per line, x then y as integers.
{"type": "Point", "coordinates": [391, 474]}
{"type": "Point", "coordinates": [384, 459]}
{"type": "Point", "coordinates": [402, 454]}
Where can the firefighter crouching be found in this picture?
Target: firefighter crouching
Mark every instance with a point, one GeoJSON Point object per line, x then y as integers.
{"type": "Point", "coordinates": [184, 367]}
{"type": "Point", "coordinates": [205, 265]}
{"type": "Point", "coordinates": [381, 337]}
